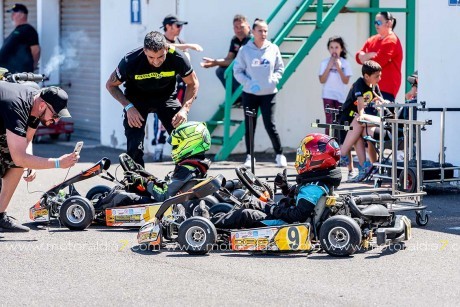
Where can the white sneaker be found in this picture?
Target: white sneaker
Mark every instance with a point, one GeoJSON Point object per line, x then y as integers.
{"type": "Point", "coordinates": [247, 163]}
{"type": "Point", "coordinates": [281, 161]}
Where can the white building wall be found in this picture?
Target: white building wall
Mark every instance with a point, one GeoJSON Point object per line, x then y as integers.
{"type": "Point", "coordinates": [210, 25]}
{"type": "Point", "coordinates": [439, 64]}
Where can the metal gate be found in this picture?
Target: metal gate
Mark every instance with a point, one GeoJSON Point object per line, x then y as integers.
{"type": "Point", "coordinates": [80, 65]}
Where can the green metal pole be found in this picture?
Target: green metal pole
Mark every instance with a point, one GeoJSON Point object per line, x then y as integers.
{"type": "Point", "coordinates": [319, 13]}
{"type": "Point", "coordinates": [373, 4]}
{"type": "Point", "coordinates": [410, 40]}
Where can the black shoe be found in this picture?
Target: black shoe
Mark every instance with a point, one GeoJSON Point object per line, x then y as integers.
{"type": "Point", "coordinates": [238, 103]}
{"type": "Point", "coordinates": [8, 224]}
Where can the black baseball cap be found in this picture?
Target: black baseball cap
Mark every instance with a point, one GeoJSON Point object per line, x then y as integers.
{"type": "Point", "coordinates": [57, 98]}
{"type": "Point", "coordinates": [18, 7]}
{"type": "Point", "coordinates": [171, 19]}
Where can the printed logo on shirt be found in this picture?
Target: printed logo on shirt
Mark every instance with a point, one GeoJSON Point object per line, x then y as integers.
{"type": "Point", "coordinates": [117, 72]}
{"type": "Point", "coordinates": [367, 96]}
{"type": "Point", "coordinates": [20, 129]}
{"type": "Point", "coordinates": [155, 75]}
{"type": "Point", "coordinates": [260, 62]}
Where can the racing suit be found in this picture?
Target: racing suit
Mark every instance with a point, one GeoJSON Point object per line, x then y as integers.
{"type": "Point", "coordinates": [291, 209]}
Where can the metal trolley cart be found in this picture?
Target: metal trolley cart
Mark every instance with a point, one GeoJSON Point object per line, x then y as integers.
{"type": "Point", "coordinates": [400, 175]}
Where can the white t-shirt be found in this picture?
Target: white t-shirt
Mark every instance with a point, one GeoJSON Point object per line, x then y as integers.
{"type": "Point", "coordinates": [334, 88]}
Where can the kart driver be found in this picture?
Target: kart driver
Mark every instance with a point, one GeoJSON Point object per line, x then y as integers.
{"type": "Point", "coordinates": [149, 75]}
{"type": "Point", "coordinates": [189, 143]}
{"type": "Point", "coordinates": [316, 162]}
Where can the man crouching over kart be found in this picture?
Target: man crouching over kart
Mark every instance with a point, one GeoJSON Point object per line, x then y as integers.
{"type": "Point", "coordinates": [316, 162]}
{"type": "Point", "coordinates": [189, 143]}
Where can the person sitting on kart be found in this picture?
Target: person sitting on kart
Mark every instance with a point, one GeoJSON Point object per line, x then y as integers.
{"type": "Point", "coordinates": [189, 143]}
{"type": "Point", "coordinates": [316, 165]}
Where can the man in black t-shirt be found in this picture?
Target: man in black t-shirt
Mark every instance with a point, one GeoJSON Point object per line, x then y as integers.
{"type": "Point", "coordinates": [20, 50]}
{"type": "Point", "coordinates": [22, 109]}
{"type": "Point", "coordinates": [149, 75]}
{"type": "Point", "coordinates": [242, 36]}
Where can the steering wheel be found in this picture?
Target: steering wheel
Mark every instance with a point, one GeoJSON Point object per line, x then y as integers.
{"type": "Point", "coordinates": [258, 188]}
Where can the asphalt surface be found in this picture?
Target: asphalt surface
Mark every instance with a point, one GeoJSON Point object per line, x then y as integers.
{"type": "Point", "coordinates": [105, 266]}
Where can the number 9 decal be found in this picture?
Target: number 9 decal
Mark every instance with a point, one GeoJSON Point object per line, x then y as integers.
{"type": "Point", "coordinates": [293, 237]}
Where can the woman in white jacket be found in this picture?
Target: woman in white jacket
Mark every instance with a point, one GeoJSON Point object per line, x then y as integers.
{"type": "Point", "coordinates": [259, 68]}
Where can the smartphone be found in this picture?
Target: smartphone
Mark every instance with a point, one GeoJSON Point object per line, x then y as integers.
{"type": "Point", "coordinates": [78, 147]}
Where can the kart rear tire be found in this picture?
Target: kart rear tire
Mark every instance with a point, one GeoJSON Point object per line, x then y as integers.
{"type": "Point", "coordinates": [220, 208]}
{"type": "Point", "coordinates": [95, 193]}
{"type": "Point", "coordinates": [340, 236]}
{"type": "Point", "coordinates": [197, 236]}
{"type": "Point", "coordinates": [76, 213]}
{"type": "Point", "coordinates": [54, 136]}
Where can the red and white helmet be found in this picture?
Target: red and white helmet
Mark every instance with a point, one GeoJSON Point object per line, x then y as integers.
{"type": "Point", "coordinates": [317, 151]}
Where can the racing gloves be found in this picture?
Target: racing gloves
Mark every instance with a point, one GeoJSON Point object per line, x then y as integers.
{"type": "Point", "coordinates": [282, 182]}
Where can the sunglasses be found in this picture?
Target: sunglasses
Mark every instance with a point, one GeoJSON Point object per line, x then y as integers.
{"type": "Point", "coordinates": [55, 115]}
{"type": "Point", "coordinates": [378, 23]}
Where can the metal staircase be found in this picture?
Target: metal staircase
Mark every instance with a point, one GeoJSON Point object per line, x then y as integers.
{"type": "Point", "coordinates": [320, 16]}
{"type": "Point", "coordinates": [324, 14]}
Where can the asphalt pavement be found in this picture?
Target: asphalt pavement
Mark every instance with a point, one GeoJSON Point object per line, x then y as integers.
{"type": "Point", "coordinates": [105, 266]}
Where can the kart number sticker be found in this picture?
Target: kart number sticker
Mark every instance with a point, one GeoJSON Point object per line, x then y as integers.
{"type": "Point", "coordinates": [293, 238]}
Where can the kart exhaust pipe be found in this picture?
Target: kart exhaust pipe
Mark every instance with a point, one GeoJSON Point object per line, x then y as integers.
{"type": "Point", "coordinates": [373, 199]}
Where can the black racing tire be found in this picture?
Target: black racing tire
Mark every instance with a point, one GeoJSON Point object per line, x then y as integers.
{"type": "Point", "coordinates": [76, 213]}
{"type": "Point", "coordinates": [54, 136]}
{"type": "Point", "coordinates": [95, 193]}
{"type": "Point", "coordinates": [340, 236]}
{"type": "Point", "coordinates": [197, 236]}
{"type": "Point", "coordinates": [68, 136]}
{"type": "Point", "coordinates": [220, 208]}
{"type": "Point", "coordinates": [257, 187]}
{"type": "Point", "coordinates": [411, 181]}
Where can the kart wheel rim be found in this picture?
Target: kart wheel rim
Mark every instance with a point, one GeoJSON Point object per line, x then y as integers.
{"type": "Point", "coordinates": [75, 214]}
{"type": "Point", "coordinates": [195, 236]}
{"type": "Point", "coordinates": [338, 237]}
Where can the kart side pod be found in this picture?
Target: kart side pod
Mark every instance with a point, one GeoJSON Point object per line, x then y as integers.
{"type": "Point", "coordinates": [294, 238]}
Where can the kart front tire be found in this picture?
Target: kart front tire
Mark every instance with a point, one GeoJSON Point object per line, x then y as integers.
{"type": "Point", "coordinates": [76, 213]}
{"type": "Point", "coordinates": [340, 236]}
{"type": "Point", "coordinates": [197, 236]}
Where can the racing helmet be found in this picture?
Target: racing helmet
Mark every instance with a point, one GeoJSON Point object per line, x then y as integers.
{"type": "Point", "coordinates": [317, 151]}
{"type": "Point", "coordinates": [189, 139]}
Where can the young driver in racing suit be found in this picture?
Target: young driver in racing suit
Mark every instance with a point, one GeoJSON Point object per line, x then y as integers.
{"type": "Point", "coordinates": [189, 143]}
{"type": "Point", "coordinates": [316, 162]}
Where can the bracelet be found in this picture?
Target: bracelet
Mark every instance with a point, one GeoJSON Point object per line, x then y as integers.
{"type": "Point", "coordinates": [129, 106]}
{"type": "Point", "coordinates": [57, 163]}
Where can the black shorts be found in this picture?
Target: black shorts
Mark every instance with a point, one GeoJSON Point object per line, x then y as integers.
{"type": "Point", "coordinates": [5, 158]}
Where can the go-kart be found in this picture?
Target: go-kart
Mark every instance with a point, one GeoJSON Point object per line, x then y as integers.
{"type": "Point", "coordinates": [76, 212]}
{"type": "Point", "coordinates": [341, 224]}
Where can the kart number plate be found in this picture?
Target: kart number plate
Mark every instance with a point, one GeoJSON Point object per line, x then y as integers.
{"type": "Point", "coordinates": [293, 238]}
{"type": "Point", "coordinates": [39, 214]}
